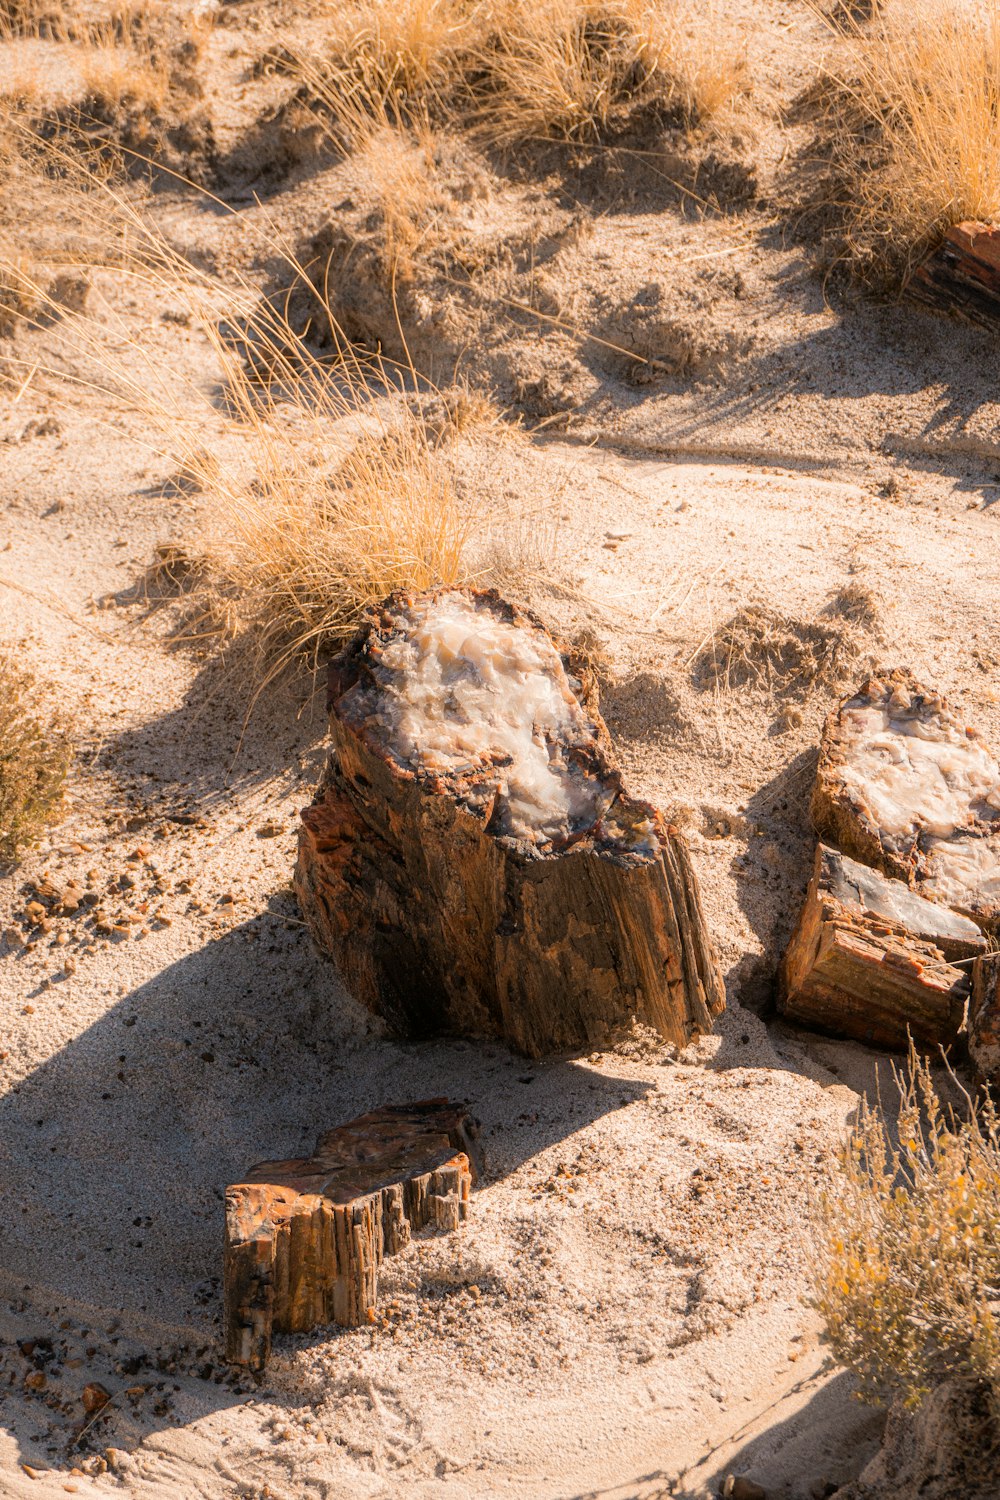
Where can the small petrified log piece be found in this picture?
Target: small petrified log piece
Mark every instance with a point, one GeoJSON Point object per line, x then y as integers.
{"type": "Point", "coordinates": [962, 275]}
{"type": "Point", "coordinates": [984, 1019]}
{"type": "Point", "coordinates": [472, 859]}
{"type": "Point", "coordinates": [305, 1238]}
{"type": "Point", "coordinates": [870, 959]}
{"type": "Point", "coordinates": [905, 786]}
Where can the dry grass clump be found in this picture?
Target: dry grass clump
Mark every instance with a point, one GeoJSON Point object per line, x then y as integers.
{"type": "Point", "coordinates": [302, 550]}
{"type": "Point", "coordinates": [760, 646]}
{"type": "Point", "coordinates": [333, 492]}
{"type": "Point", "coordinates": [570, 69]}
{"type": "Point", "coordinates": [116, 76]}
{"type": "Point", "coordinates": [35, 757]}
{"type": "Point", "coordinates": [87, 23]}
{"type": "Point", "coordinates": [518, 70]}
{"type": "Point", "coordinates": [22, 18]}
{"type": "Point", "coordinates": [913, 123]}
{"type": "Point", "coordinates": [859, 603]}
{"type": "Point", "coordinates": [907, 1255]}
{"type": "Point", "coordinates": [324, 487]}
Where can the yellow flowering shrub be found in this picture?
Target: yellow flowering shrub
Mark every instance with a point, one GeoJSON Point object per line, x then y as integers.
{"type": "Point", "coordinates": [907, 1245]}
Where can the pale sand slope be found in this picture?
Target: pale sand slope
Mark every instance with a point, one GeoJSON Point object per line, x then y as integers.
{"type": "Point", "coordinates": [593, 1342]}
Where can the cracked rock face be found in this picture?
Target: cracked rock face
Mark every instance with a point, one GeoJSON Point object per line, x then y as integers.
{"type": "Point", "coordinates": [905, 786]}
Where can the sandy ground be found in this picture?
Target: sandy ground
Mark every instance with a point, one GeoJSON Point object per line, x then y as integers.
{"type": "Point", "coordinates": [624, 1316]}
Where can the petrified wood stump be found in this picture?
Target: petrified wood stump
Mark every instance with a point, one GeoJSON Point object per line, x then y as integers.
{"type": "Point", "coordinates": [984, 1019]}
{"type": "Point", "coordinates": [870, 959]}
{"type": "Point", "coordinates": [905, 786]}
{"type": "Point", "coordinates": [962, 276]}
{"type": "Point", "coordinates": [472, 860]}
{"type": "Point", "coordinates": [305, 1238]}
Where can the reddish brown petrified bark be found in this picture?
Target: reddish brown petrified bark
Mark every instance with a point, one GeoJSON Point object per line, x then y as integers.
{"type": "Point", "coordinates": [305, 1238]}
{"type": "Point", "coordinates": [984, 1019]}
{"type": "Point", "coordinates": [443, 919]}
{"type": "Point", "coordinates": [962, 276]}
{"type": "Point", "coordinates": [869, 959]}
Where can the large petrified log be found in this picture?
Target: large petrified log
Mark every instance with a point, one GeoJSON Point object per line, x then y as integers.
{"type": "Point", "coordinates": [984, 1019]}
{"type": "Point", "coordinates": [962, 275]}
{"type": "Point", "coordinates": [872, 960]}
{"type": "Point", "coordinates": [472, 859]}
{"type": "Point", "coordinates": [905, 786]}
{"type": "Point", "coordinates": [305, 1238]}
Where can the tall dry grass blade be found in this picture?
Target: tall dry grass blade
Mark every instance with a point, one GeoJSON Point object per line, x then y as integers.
{"type": "Point", "coordinates": [915, 124]}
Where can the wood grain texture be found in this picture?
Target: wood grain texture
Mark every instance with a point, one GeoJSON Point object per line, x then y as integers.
{"type": "Point", "coordinates": [305, 1238]}
{"type": "Point", "coordinates": [439, 922]}
{"type": "Point", "coordinates": [984, 1020]}
{"type": "Point", "coordinates": [867, 959]}
{"type": "Point", "coordinates": [961, 276]}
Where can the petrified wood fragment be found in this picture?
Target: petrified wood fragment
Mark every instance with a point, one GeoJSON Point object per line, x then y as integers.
{"type": "Point", "coordinates": [305, 1238]}
{"type": "Point", "coordinates": [472, 859]}
{"type": "Point", "coordinates": [962, 275]}
{"type": "Point", "coordinates": [905, 786]}
{"type": "Point", "coordinates": [984, 1019]}
{"type": "Point", "coordinates": [870, 959]}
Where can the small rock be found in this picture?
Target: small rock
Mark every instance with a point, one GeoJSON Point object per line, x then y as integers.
{"type": "Point", "coordinates": [95, 1398]}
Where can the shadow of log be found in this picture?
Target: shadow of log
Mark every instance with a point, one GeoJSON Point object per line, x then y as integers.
{"type": "Point", "coordinates": [125, 1140]}
{"type": "Point", "coordinates": [773, 875]}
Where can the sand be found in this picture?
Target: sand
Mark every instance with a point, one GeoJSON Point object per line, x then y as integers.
{"type": "Point", "coordinates": [626, 1314]}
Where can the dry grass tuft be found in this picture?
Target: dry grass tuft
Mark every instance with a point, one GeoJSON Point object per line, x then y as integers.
{"type": "Point", "coordinates": [302, 550]}
{"type": "Point", "coordinates": [388, 65]}
{"type": "Point", "coordinates": [858, 603]}
{"type": "Point", "coordinates": [763, 647]}
{"type": "Point", "coordinates": [907, 1253]}
{"type": "Point", "coordinates": [913, 123]}
{"type": "Point", "coordinates": [35, 757]}
{"type": "Point", "coordinates": [568, 69]}
{"type": "Point", "coordinates": [325, 486]}
{"type": "Point", "coordinates": [519, 70]}
{"type": "Point", "coordinates": [116, 77]}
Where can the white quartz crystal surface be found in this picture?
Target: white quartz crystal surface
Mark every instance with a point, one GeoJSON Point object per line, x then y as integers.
{"type": "Point", "coordinates": [964, 872]}
{"type": "Point", "coordinates": [462, 690]}
{"type": "Point", "coordinates": [918, 772]}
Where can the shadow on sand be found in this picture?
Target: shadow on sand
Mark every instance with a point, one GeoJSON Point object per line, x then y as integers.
{"type": "Point", "coordinates": [244, 1050]}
